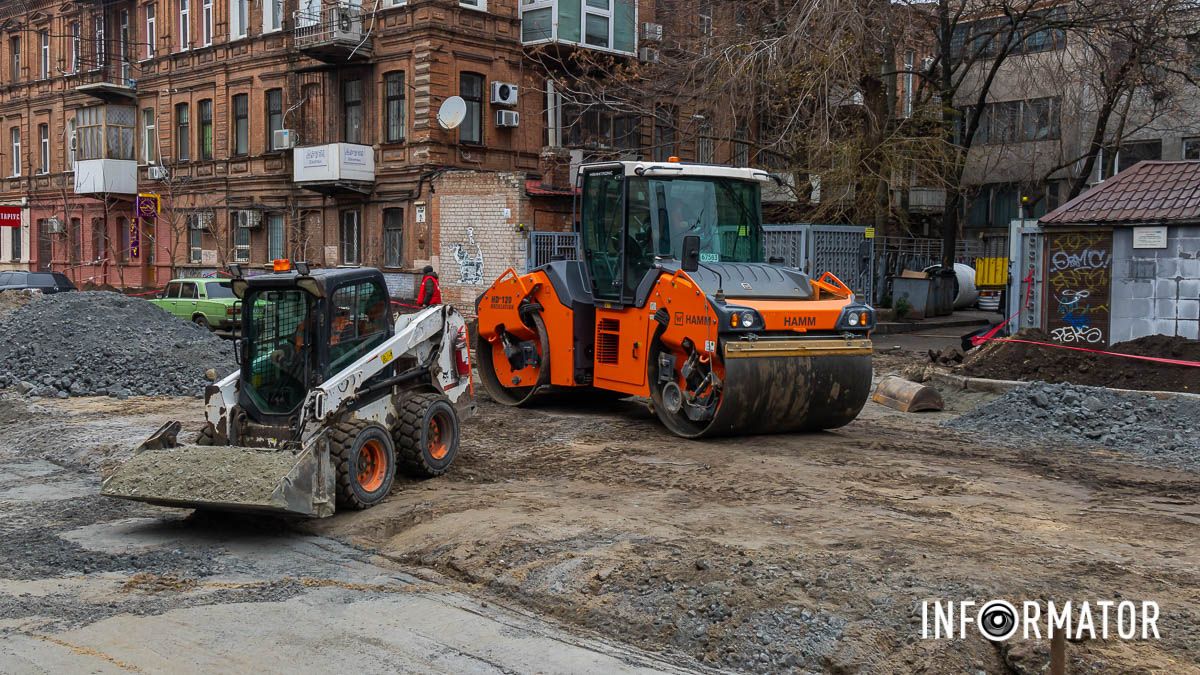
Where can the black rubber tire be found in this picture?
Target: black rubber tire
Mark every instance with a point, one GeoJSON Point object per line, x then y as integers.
{"type": "Point", "coordinates": [412, 435]}
{"type": "Point", "coordinates": [346, 443]}
{"type": "Point", "coordinates": [199, 320]}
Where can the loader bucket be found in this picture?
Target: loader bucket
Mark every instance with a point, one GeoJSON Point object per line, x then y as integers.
{"type": "Point", "coordinates": [785, 386]}
{"type": "Point", "coordinates": [905, 396]}
{"type": "Point", "coordinates": [228, 478]}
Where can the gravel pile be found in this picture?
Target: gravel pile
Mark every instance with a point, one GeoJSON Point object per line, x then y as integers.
{"type": "Point", "coordinates": [98, 343]}
{"type": "Point", "coordinates": [1159, 431]}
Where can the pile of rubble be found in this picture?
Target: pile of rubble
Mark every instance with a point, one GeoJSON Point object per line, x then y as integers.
{"type": "Point", "coordinates": [97, 343]}
{"type": "Point", "coordinates": [1162, 431]}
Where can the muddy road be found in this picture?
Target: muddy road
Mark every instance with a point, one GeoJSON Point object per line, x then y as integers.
{"type": "Point", "coordinates": [809, 552]}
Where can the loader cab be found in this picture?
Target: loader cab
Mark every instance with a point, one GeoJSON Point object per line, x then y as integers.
{"type": "Point", "coordinates": [634, 214]}
{"type": "Point", "coordinates": [299, 331]}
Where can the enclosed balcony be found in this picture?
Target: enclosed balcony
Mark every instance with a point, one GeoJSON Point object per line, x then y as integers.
{"type": "Point", "coordinates": [104, 152]}
{"type": "Point", "coordinates": [332, 34]}
{"type": "Point", "coordinates": [335, 168]}
{"type": "Point", "coordinates": [605, 25]}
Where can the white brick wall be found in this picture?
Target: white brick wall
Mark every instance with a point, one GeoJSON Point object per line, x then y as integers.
{"type": "Point", "coordinates": [471, 205]}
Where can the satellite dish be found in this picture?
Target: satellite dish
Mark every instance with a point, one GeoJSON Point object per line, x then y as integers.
{"type": "Point", "coordinates": [452, 113]}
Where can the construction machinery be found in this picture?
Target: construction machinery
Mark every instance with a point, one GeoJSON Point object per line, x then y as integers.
{"type": "Point", "coordinates": [673, 301]}
{"type": "Point", "coordinates": [332, 397]}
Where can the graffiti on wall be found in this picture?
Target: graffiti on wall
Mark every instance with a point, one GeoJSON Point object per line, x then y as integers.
{"type": "Point", "coordinates": [1078, 279]}
{"type": "Point", "coordinates": [470, 265]}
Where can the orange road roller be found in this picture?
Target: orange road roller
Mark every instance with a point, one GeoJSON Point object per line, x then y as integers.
{"type": "Point", "coordinates": [672, 301]}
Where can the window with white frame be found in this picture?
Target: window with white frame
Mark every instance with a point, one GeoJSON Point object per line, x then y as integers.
{"type": "Point", "coordinates": [481, 5]}
{"type": "Point", "coordinates": [14, 57]}
{"type": "Point", "coordinates": [71, 141]}
{"type": "Point", "coordinates": [705, 15]}
{"type": "Point", "coordinates": [597, 23]}
{"type": "Point", "coordinates": [206, 22]}
{"type": "Point", "coordinates": [76, 43]}
{"type": "Point", "coordinates": [195, 225]}
{"type": "Point", "coordinates": [151, 30]}
{"type": "Point", "coordinates": [43, 148]}
{"type": "Point", "coordinates": [149, 137]}
{"type": "Point", "coordinates": [241, 235]}
{"type": "Point", "coordinates": [239, 18]}
{"type": "Point", "coordinates": [14, 135]}
{"type": "Point", "coordinates": [276, 236]}
{"type": "Point", "coordinates": [272, 15]}
{"type": "Point", "coordinates": [100, 51]}
{"type": "Point", "coordinates": [910, 60]}
{"type": "Point", "coordinates": [44, 53]}
{"type": "Point", "coordinates": [185, 24]}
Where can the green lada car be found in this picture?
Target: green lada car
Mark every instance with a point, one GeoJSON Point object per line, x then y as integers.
{"type": "Point", "coordinates": [209, 303]}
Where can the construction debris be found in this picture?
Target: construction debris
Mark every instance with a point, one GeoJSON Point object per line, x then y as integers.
{"type": "Point", "coordinates": [97, 343]}
{"type": "Point", "coordinates": [905, 396]}
{"type": "Point", "coordinates": [1161, 431]}
{"type": "Point", "coordinates": [1020, 361]}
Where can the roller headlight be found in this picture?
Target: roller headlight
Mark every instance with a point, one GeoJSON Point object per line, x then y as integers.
{"type": "Point", "coordinates": [741, 318]}
{"type": "Point", "coordinates": [856, 317]}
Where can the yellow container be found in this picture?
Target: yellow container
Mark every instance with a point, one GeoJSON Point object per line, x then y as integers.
{"type": "Point", "coordinates": [991, 272]}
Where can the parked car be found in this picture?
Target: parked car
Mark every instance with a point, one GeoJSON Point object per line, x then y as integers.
{"type": "Point", "coordinates": [46, 282]}
{"type": "Point", "coordinates": [208, 303]}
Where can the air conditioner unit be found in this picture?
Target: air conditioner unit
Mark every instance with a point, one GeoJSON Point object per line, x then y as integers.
{"type": "Point", "coordinates": [248, 218]}
{"type": "Point", "coordinates": [283, 139]}
{"type": "Point", "coordinates": [53, 226]}
{"type": "Point", "coordinates": [74, 143]}
{"type": "Point", "coordinates": [508, 118]}
{"type": "Point", "coordinates": [652, 32]}
{"type": "Point", "coordinates": [348, 25]}
{"type": "Point", "coordinates": [504, 93]}
{"type": "Point", "coordinates": [156, 172]}
{"type": "Point", "coordinates": [648, 54]}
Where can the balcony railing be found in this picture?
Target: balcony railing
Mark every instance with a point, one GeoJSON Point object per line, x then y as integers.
{"type": "Point", "coordinates": [333, 34]}
{"type": "Point", "coordinates": [112, 82]}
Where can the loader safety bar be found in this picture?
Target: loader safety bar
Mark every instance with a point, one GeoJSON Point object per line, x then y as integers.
{"type": "Point", "coordinates": [765, 348]}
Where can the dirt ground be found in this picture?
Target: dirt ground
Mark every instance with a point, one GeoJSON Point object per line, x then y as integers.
{"type": "Point", "coordinates": [809, 552]}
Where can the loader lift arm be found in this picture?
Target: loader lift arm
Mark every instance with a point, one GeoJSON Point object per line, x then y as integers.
{"type": "Point", "coordinates": [446, 361]}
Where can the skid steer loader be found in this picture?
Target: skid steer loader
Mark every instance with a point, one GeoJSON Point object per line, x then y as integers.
{"type": "Point", "coordinates": [673, 301]}
{"type": "Point", "coordinates": [332, 397]}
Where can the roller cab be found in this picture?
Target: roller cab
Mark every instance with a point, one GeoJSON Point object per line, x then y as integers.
{"type": "Point", "coordinates": [672, 301]}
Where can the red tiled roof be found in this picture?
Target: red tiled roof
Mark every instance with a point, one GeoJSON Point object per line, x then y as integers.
{"type": "Point", "coordinates": [1149, 191]}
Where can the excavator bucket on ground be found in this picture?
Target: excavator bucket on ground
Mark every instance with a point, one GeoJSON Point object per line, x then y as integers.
{"type": "Point", "coordinates": [905, 396]}
{"type": "Point", "coordinates": [671, 300]}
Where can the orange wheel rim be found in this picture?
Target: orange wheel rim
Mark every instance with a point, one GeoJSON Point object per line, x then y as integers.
{"type": "Point", "coordinates": [372, 466]}
{"type": "Point", "coordinates": [438, 448]}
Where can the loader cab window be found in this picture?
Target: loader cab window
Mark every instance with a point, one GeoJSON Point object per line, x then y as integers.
{"type": "Point", "coordinates": [603, 225]}
{"type": "Point", "coordinates": [359, 314]}
{"type": "Point", "coordinates": [279, 345]}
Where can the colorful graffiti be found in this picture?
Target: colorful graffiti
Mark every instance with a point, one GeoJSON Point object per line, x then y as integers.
{"type": "Point", "coordinates": [1079, 277]}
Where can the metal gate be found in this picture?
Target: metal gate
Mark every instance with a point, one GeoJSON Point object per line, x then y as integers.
{"type": "Point", "coordinates": [547, 246]}
{"type": "Point", "coordinates": [815, 249]}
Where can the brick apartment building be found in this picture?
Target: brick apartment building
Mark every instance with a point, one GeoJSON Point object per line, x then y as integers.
{"type": "Point", "coordinates": [295, 128]}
